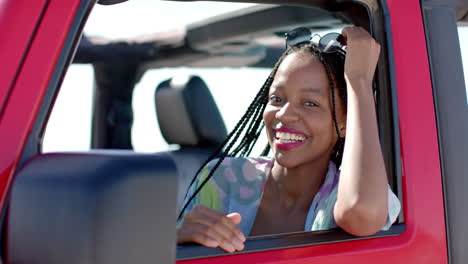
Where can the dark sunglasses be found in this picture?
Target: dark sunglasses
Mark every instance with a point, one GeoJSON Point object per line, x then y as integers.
{"type": "Point", "coordinates": [329, 43]}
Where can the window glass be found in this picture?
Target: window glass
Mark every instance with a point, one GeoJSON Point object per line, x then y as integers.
{"type": "Point", "coordinates": [463, 37]}
{"type": "Point", "coordinates": [69, 125]}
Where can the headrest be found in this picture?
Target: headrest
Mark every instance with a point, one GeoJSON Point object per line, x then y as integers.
{"type": "Point", "coordinates": [187, 113]}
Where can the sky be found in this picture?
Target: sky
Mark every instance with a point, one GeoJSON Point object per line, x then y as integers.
{"type": "Point", "coordinates": [69, 127]}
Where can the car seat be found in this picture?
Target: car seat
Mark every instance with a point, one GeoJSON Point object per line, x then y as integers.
{"type": "Point", "coordinates": [188, 116]}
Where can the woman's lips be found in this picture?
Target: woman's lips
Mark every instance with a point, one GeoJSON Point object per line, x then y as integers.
{"type": "Point", "coordinates": [288, 130]}
{"type": "Point", "coordinates": [286, 138]}
{"type": "Point", "coordinates": [287, 146]}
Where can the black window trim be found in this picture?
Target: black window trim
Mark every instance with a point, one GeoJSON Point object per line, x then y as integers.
{"type": "Point", "coordinates": [282, 241]}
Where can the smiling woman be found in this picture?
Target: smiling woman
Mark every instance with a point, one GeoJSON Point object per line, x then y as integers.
{"type": "Point", "coordinates": [310, 103]}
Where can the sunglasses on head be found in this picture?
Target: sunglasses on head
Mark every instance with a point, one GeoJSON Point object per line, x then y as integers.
{"type": "Point", "coordinates": [329, 43]}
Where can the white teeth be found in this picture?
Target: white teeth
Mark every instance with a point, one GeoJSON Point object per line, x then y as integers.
{"type": "Point", "coordinates": [289, 137]}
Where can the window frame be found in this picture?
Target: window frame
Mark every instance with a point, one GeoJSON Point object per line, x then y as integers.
{"type": "Point", "coordinates": [386, 98]}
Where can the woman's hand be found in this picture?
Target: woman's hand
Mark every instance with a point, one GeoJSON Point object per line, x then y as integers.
{"type": "Point", "coordinates": [362, 54]}
{"type": "Point", "coordinates": [210, 228]}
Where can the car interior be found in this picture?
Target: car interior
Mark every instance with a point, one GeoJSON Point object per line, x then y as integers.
{"type": "Point", "coordinates": [79, 200]}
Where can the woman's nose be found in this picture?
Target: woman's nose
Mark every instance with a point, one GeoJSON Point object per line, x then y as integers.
{"type": "Point", "coordinates": [287, 114]}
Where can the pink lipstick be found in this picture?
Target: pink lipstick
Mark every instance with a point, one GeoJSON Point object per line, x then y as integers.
{"type": "Point", "coordinates": [288, 138]}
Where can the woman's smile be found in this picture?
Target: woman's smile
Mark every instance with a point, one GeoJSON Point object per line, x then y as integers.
{"type": "Point", "coordinates": [287, 138]}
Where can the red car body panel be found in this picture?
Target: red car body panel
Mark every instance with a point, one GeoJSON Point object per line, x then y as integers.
{"type": "Point", "coordinates": [424, 240]}
{"type": "Point", "coordinates": [18, 20]}
{"type": "Point", "coordinates": [33, 78]}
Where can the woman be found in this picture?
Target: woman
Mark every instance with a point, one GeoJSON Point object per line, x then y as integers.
{"type": "Point", "coordinates": [313, 100]}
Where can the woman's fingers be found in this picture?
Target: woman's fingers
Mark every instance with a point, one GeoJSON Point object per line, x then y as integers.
{"type": "Point", "coordinates": [212, 229]}
{"type": "Point", "coordinates": [362, 54]}
{"type": "Point", "coordinates": [236, 218]}
{"type": "Point", "coordinates": [206, 236]}
{"type": "Point", "coordinates": [228, 232]}
{"type": "Point", "coordinates": [190, 234]}
{"type": "Point", "coordinates": [223, 223]}
{"type": "Point", "coordinates": [228, 244]}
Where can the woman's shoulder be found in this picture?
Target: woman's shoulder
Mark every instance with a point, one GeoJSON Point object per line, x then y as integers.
{"type": "Point", "coordinates": [244, 165]}
{"type": "Point", "coordinates": [236, 180]}
{"type": "Point", "coordinates": [241, 171]}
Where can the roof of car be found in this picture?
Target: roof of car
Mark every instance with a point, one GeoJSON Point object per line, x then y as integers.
{"type": "Point", "coordinates": [222, 40]}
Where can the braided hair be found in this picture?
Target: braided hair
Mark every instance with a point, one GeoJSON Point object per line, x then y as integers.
{"type": "Point", "coordinates": [251, 123]}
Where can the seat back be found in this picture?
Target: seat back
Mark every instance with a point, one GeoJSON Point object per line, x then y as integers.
{"type": "Point", "coordinates": [188, 116]}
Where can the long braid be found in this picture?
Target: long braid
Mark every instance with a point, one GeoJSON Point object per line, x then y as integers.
{"type": "Point", "coordinates": [334, 66]}
{"type": "Point", "coordinates": [335, 155]}
{"type": "Point", "coordinates": [234, 135]}
{"type": "Point", "coordinates": [252, 119]}
{"type": "Point", "coordinates": [236, 131]}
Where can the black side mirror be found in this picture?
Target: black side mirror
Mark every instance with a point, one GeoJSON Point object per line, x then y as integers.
{"type": "Point", "coordinates": [96, 207]}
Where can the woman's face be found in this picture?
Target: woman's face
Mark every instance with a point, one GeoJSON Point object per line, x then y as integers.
{"type": "Point", "coordinates": [298, 116]}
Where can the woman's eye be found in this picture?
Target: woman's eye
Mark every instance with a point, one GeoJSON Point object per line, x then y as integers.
{"type": "Point", "coordinates": [275, 99]}
{"type": "Point", "coordinates": [310, 104]}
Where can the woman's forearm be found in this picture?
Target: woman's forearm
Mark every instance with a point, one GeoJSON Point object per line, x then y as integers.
{"type": "Point", "coordinates": [361, 206]}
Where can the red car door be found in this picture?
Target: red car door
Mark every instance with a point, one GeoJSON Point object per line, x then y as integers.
{"type": "Point", "coordinates": [33, 37]}
{"type": "Point", "coordinates": [41, 39]}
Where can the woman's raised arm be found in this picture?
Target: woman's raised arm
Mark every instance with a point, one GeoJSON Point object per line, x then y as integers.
{"type": "Point", "coordinates": [361, 206]}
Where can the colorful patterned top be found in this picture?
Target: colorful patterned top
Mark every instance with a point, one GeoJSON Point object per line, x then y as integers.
{"type": "Point", "coordinates": [237, 186]}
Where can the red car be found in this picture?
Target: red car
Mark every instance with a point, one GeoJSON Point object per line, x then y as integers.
{"type": "Point", "coordinates": [113, 205]}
